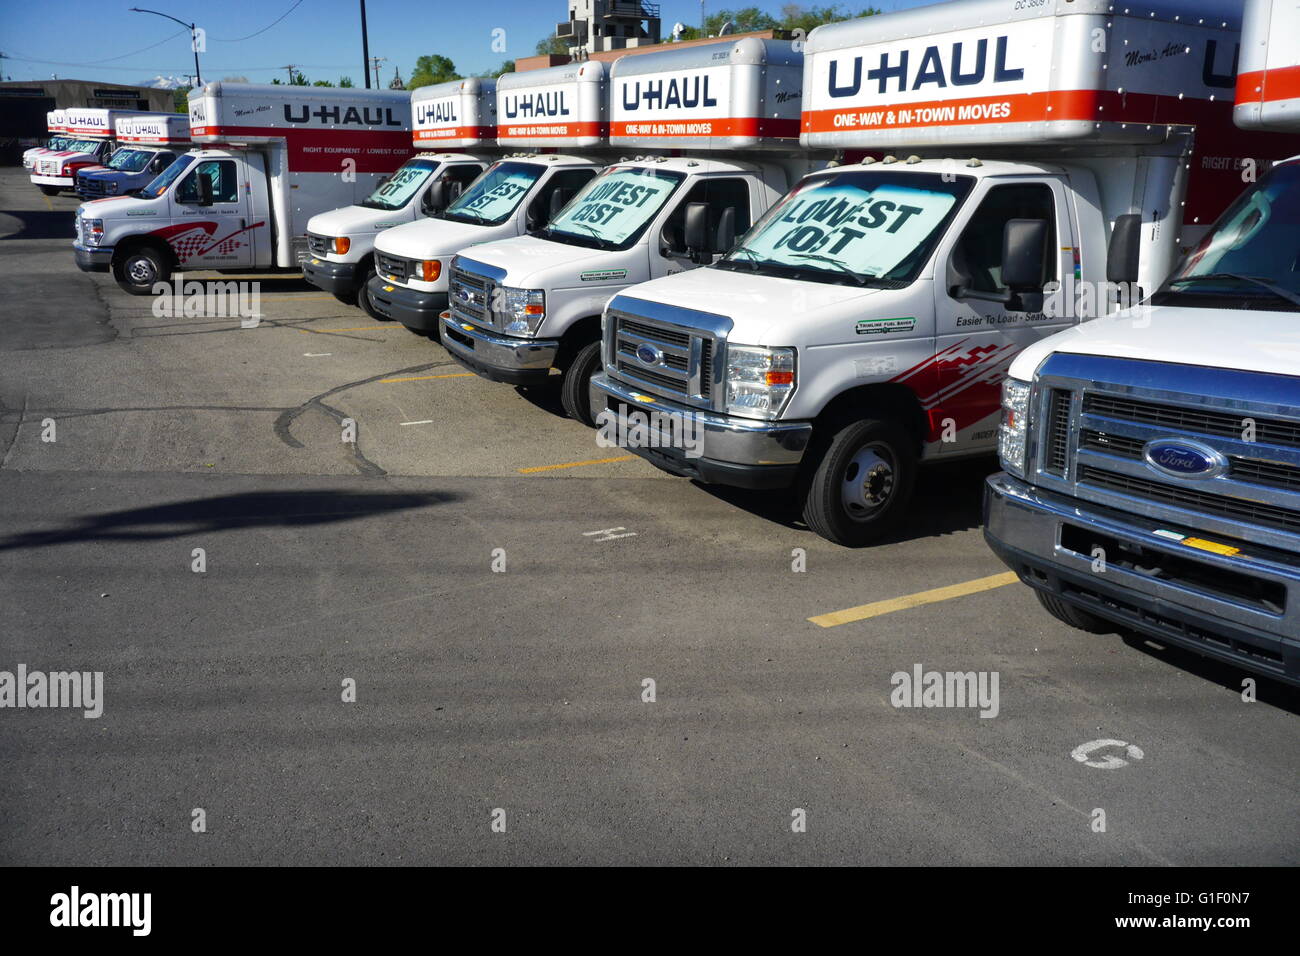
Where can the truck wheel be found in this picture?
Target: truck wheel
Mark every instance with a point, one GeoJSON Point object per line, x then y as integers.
{"type": "Point", "coordinates": [138, 270]}
{"type": "Point", "coordinates": [862, 484]}
{"type": "Point", "coordinates": [1073, 616]}
{"type": "Point", "coordinates": [575, 388]}
{"type": "Point", "coordinates": [363, 298]}
{"type": "Point", "coordinates": [51, 190]}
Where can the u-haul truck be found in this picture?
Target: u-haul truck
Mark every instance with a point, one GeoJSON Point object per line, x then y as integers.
{"type": "Point", "coordinates": [1151, 459]}
{"type": "Point", "coordinates": [728, 113]}
{"type": "Point", "coordinates": [269, 158]}
{"type": "Point", "coordinates": [864, 325]}
{"type": "Point", "coordinates": [146, 145]}
{"type": "Point", "coordinates": [54, 143]}
{"type": "Point", "coordinates": [88, 141]}
{"type": "Point", "coordinates": [460, 116]}
{"type": "Point", "coordinates": [561, 109]}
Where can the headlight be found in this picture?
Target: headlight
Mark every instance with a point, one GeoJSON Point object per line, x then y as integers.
{"type": "Point", "coordinates": [92, 231]}
{"type": "Point", "coordinates": [341, 245]}
{"type": "Point", "coordinates": [1014, 429]}
{"type": "Point", "coordinates": [112, 188]}
{"type": "Point", "coordinates": [759, 380]}
{"type": "Point", "coordinates": [524, 310]}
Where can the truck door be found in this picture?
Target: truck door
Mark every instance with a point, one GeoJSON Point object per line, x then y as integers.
{"type": "Point", "coordinates": [977, 335]}
{"type": "Point", "coordinates": [220, 236]}
{"type": "Point", "coordinates": [567, 183]}
{"type": "Point", "coordinates": [719, 193]}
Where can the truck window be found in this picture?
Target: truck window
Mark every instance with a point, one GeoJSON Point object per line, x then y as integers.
{"type": "Point", "coordinates": [978, 253]}
{"type": "Point", "coordinates": [396, 191]}
{"type": "Point", "coordinates": [460, 176]}
{"type": "Point", "coordinates": [224, 187]}
{"type": "Point", "coordinates": [495, 195]}
{"type": "Point", "coordinates": [614, 209]}
{"type": "Point", "coordinates": [164, 179]}
{"type": "Point", "coordinates": [130, 160]}
{"type": "Point", "coordinates": [570, 180]}
{"type": "Point", "coordinates": [718, 194]}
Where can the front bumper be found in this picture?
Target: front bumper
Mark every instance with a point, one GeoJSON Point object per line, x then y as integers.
{"type": "Point", "coordinates": [339, 278]}
{"type": "Point", "coordinates": [414, 309]}
{"type": "Point", "coordinates": [742, 452]}
{"type": "Point", "coordinates": [65, 182]}
{"type": "Point", "coordinates": [1242, 609]}
{"type": "Point", "coordinates": [499, 358]}
{"type": "Point", "coordinates": [92, 259]}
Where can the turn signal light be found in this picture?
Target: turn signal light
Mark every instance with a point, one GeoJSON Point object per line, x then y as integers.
{"type": "Point", "coordinates": [342, 245]}
{"type": "Point", "coordinates": [430, 269]}
{"type": "Point", "coordinates": [778, 378]}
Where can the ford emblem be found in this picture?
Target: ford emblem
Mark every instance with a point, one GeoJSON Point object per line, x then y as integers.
{"type": "Point", "coordinates": [648, 355]}
{"type": "Point", "coordinates": [1184, 459]}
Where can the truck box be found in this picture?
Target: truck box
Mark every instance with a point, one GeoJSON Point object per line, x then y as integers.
{"type": "Point", "coordinates": [89, 142]}
{"type": "Point", "coordinates": [146, 145]}
{"type": "Point", "coordinates": [460, 114]}
{"type": "Point", "coordinates": [1268, 81]}
{"type": "Point", "coordinates": [563, 107]}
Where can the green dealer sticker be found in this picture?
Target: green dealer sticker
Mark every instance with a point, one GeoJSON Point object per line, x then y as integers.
{"type": "Point", "coordinates": [885, 326]}
{"type": "Point", "coordinates": [605, 275]}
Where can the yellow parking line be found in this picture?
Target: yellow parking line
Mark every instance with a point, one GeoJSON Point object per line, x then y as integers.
{"type": "Point", "coordinates": [48, 205]}
{"type": "Point", "coordinates": [575, 464]}
{"type": "Point", "coordinates": [425, 378]}
{"type": "Point", "coordinates": [877, 608]}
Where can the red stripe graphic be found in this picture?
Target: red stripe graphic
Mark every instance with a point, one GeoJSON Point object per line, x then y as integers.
{"type": "Point", "coordinates": [1268, 86]}
{"type": "Point", "coordinates": [725, 126]}
{"type": "Point", "coordinates": [455, 132]}
{"type": "Point", "coordinates": [323, 150]}
{"type": "Point", "coordinates": [553, 131]}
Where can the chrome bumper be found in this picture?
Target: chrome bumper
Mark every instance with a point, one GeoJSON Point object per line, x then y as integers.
{"type": "Point", "coordinates": [733, 451]}
{"type": "Point", "coordinates": [1186, 600]}
{"type": "Point", "coordinates": [500, 358]}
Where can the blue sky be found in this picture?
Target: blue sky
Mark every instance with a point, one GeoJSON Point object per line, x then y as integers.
{"type": "Point", "coordinates": [102, 40]}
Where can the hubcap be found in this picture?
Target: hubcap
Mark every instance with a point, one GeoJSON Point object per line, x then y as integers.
{"type": "Point", "coordinates": [140, 271]}
{"type": "Point", "coordinates": [868, 481]}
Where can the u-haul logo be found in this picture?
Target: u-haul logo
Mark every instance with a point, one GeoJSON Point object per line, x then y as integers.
{"type": "Point", "coordinates": [685, 92]}
{"type": "Point", "coordinates": [536, 104]}
{"type": "Point", "coordinates": [437, 113]}
{"type": "Point", "coordinates": [338, 116]}
{"type": "Point", "coordinates": [937, 67]}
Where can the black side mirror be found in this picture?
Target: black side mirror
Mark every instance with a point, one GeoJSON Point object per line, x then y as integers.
{"type": "Point", "coordinates": [435, 198]}
{"type": "Point", "coordinates": [726, 235]}
{"type": "Point", "coordinates": [559, 199]}
{"type": "Point", "coordinates": [695, 230]}
{"type": "Point", "coordinates": [205, 189]}
{"type": "Point", "coordinates": [156, 165]}
{"type": "Point", "coordinates": [1024, 248]}
{"type": "Point", "coordinates": [1122, 250]}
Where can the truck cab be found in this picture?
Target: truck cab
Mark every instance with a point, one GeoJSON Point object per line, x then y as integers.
{"type": "Point", "coordinates": [1151, 460]}
{"type": "Point", "coordinates": [147, 145]}
{"type": "Point", "coordinates": [57, 170]}
{"type": "Point", "coordinates": [342, 242]}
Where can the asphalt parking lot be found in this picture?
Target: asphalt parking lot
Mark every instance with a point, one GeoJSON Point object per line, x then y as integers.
{"type": "Point", "coordinates": [479, 691]}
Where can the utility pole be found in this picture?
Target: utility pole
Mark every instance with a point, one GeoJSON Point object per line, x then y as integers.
{"type": "Point", "coordinates": [290, 68]}
{"type": "Point", "coordinates": [376, 60]}
{"type": "Point", "coordinates": [365, 46]}
{"type": "Point", "coordinates": [194, 36]}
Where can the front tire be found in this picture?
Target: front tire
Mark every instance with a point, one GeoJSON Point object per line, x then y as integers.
{"type": "Point", "coordinates": [51, 190]}
{"type": "Point", "coordinates": [575, 387]}
{"type": "Point", "coordinates": [862, 484]}
{"type": "Point", "coordinates": [1074, 616]}
{"type": "Point", "coordinates": [139, 269]}
{"type": "Point", "coordinates": [363, 298]}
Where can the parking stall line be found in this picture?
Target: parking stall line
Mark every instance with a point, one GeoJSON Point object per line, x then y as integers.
{"type": "Point", "coordinates": [864, 611]}
{"type": "Point", "coordinates": [574, 464]}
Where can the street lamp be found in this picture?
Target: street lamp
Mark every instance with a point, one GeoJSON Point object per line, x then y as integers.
{"type": "Point", "coordinates": [194, 42]}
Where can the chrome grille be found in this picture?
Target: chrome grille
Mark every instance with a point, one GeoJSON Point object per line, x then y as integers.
{"type": "Point", "coordinates": [470, 296]}
{"type": "Point", "coordinates": [1056, 428]}
{"type": "Point", "coordinates": [1202, 421]}
{"type": "Point", "coordinates": [318, 245]}
{"type": "Point", "coordinates": [394, 267]}
{"type": "Point", "coordinates": [674, 362]}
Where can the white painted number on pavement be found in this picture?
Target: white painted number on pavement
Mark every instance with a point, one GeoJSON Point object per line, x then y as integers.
{"type": "Point", "coordinates": [1084, 754]}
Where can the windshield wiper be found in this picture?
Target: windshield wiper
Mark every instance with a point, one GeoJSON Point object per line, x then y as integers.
{"type": "Point", "coordinates": [1284, 294]}
{"type": "Point", "coordinates": [601, 243]}
{"type": "Point", "coordinates": [860, 280]}
{"type": "Point", "coordinates": [754, 261]}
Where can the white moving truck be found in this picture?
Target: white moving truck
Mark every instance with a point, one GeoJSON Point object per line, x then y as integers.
{"type": "Point", "coordinates": [561, 108]}
{"type": "Point", "coordinates": [729, 115]}
{"type": "Point", "coordinates": [864, 325]}
{"type": "Point", "coordinates": [1152, 459]}
{"type": "Point", "coordinates": [146, 145]}
{"type": "Point", "coordinates": [90, 142]}
{"type": "Point", "coordinates": [271, 158]}
{"type": "Point", "coordinates": [55, 143]}
{"type": "Point", "coordinates": [459, 115]}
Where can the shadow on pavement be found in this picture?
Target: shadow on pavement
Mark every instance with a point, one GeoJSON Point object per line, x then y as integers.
{"type": "Point", "coordinates": [286, 509]}
{"type": "Point", "coordinates": [1267, 690]}
{"type": "Point", "coordinates": [39, 224]}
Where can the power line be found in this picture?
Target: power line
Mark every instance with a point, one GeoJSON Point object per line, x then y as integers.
{"type": "Point", "coordinates": [264, 29]}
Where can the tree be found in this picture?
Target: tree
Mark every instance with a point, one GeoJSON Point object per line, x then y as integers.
{"type": "Point", "coordinates": [180, 99]}
{"type": "Point", "coordinates": [552, 45]}
{"type": "Point", "coordinates": [795, 16]}
{"type": "Point", "coordinates": [507, 66]}
{"type": "Point", "coordinates": [432, 69]}
{"type": "Point", "coordinates": [345, 82]}
{"type": "Point", "coordinates": [322, 83]}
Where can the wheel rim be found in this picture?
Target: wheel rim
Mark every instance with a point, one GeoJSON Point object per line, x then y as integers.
{"type": "Point", "coordinates": [140, 271]}
{"type": "Point", "coordinates": [869, 481]}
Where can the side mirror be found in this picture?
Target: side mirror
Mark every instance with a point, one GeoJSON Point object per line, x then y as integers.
{"type": "Point", "coordinates": [156, 165]}
{"type": "Point", "coordinates": [559, 199]}
{"type": "Point", "coordinates": [204, 183]}
{"type": "Point", "coordinates": [1024, 248]}
{"type": "Point", "coordinates": [726, 231]}
{"type": "Point", "coordinates": [695, 229]}
{"type": "Point", "coordinates": [435, 198]}
{"type": "Point", "coordinates": [1122, 250]}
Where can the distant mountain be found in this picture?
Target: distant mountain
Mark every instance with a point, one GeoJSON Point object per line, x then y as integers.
{"type": "Point", "coordinates": [161, 82]}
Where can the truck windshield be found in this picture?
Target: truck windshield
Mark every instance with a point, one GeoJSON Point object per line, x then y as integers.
{"type": "Point", "coordinates": [129, 160]}
{"type": "Point", "coordinates": [82, 145]}
{"type": "Point", "coordinates": [614, 209]}
{"type": "Point", "coordinates": [495, 195]}
{"type": "Point", "coordinates": [166, 178]}
{"type": "Point", "coordinates": [57, 143]}
{"type": "Point", "coordinates": [402, 185]}
{"type": "Point", "coordinates": [1248, 258]}
{"type": "Point", "coordinates": [855, 227]}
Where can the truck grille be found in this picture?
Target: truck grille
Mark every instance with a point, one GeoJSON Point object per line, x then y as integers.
{"type": "Point", "coordinates": [318, 245]}
{"type": "Point", "coordinates": [1098, 416]}
{"type": "Point", "coordinates": [470, 296]}
{"type": "Point", "coordinates": [91, 187]}
{"type": "Point", "coordinates": [674, 362]}
{"type": "Point", "coordinates": [393, 267]}
{"type": "Point", "coordinates": [49, 167]}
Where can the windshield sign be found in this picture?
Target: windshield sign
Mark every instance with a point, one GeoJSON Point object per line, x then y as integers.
{"type": "Point", "coordinates": [617, 205]}
{"type": "Point", "coordinates": [868, 225]}
{"type": "Point", "coordinates": [496, 194]}
{"type": "Point", "coordinates": [166, 178]}
{"type": "Point", "coordinates": [129, 160]}
{"type": "Point", "coordinates": [403, 184]}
